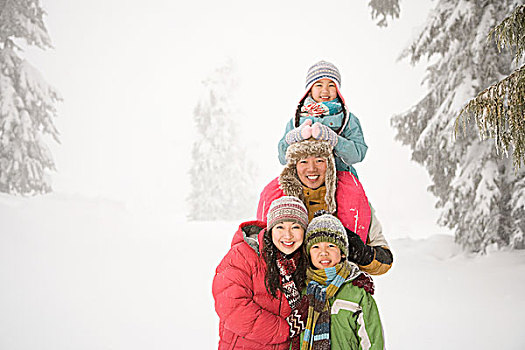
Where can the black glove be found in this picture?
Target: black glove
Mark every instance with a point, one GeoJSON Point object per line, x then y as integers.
{"type": "Point", "coordinates": [298, 317]}
{"type": "Point", "coordinates": [358, 252]}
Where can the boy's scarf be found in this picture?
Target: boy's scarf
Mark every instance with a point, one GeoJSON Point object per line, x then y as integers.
{"type": "Point", "coordinates": [323, 284]}
{"type": "Point", "coordinates": [287, 266]}
{"type": "Point", "coordinates": [311, 108]}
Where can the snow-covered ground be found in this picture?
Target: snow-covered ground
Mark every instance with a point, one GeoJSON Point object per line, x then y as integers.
{"type": "Point", "coordinates": [90, 274]}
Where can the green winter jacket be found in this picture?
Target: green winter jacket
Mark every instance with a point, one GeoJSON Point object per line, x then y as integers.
{"type": "Point", "coordinates": [354, 320]}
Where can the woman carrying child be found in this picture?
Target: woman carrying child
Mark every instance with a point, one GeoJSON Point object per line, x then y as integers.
{"type": "Point", "coordinates": [258, 282]}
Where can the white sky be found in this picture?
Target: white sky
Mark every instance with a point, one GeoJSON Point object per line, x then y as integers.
{"type": "Point", "coordinates": [130, 73]}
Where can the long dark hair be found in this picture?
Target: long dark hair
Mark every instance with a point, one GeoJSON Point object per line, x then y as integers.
{"type": "Point", "coordinates": [300, 105]}
{"type": "Point", "coordinates": [272, 279]}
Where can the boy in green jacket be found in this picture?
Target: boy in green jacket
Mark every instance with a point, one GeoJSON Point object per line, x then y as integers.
{"type": "Point", "coordinates": [342, 313]}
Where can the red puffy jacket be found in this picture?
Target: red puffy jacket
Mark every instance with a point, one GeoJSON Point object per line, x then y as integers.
{"type": "Point", "coordinates": [250, 317]}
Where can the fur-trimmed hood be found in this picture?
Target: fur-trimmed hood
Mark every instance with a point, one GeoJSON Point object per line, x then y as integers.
{"type": "Point", "coordinates": [289, 180]}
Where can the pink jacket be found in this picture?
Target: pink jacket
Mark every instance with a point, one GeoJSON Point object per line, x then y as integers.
{"type": "Point", "coordinates": [352, 204]}
{"type": "Point", "coordinates": [250, 317]}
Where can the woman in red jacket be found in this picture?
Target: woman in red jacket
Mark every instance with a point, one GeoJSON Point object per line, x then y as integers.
{"type": "Point", "coordinates": [258, 283]}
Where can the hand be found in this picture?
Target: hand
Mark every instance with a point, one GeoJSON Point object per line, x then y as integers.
{"type": "Point", "coordinates": [298, 317]}
{"type": "Point", "coordinates": [358, 252]}
{"type": "Point", "coordinates": [306, 129]}
{"type": "Point", "coordinates": [324, 133]}
{"type": "Point", "coordinates": [302, 132]}
{"type": "Point", "coordinates": [364, 281]}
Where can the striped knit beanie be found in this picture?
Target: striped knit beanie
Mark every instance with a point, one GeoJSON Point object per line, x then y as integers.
{"type": "Point", "coordinates": [323, 70]}
{"type": "Point", "coordinates": [287, 208]}
{"type": "Point", "coordinates": [326, 228]}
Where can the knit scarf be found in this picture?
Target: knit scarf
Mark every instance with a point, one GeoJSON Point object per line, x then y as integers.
{"type": "Point", "coordinates": [323, 284]}
{"type": "Point", "coordinates": [311, 108]}
{"type": "Point", "coordinates": [287, 265]}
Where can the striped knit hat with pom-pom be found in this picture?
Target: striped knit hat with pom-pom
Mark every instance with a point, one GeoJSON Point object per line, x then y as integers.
{"type": "Point", "coordinates": [325, 227]}
{"type": "Point", "coordinates": [287, 208]}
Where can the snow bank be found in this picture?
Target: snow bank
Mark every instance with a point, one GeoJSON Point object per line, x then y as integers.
{"type": "Point", "coordinates": [89, 274]}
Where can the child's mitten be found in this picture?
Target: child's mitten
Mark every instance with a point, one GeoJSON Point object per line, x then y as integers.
{"type": "Point", "coordinates": [302, 132]}
{"type": "Point", "coordinates": [324, 133]}
{"type": "Point", "coordinates": [298, 317]}
{"type": "Point", "coordinates": [364, 281]}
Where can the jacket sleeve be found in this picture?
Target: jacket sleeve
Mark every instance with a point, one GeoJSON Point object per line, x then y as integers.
{"type": "Point", "coordinates": [233, 292]}
{"type": "Point", "coordinates": [381, 257]}
{"type": "Point", "coordinates": [283, 145]}
{"type": "Point", "coordinates": [351, 146]}
{"type": "Point", "coordinates": [355, 320]}
{"type": "Point", "coordinates": [373, 330]}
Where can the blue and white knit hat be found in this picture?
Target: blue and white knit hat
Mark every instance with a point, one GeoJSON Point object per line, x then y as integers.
{"type": "Point", "coordinates": [287, 208]}
{"type": "Point", "coordinates": [326, 228]}
{"type": "Point", "coordinates": [323, 70]}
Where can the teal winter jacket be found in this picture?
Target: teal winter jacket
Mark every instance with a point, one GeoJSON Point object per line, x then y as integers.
{"type": "Point", "coordinates": [350, 148]}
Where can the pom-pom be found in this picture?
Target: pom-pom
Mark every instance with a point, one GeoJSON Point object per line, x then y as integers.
{"type": "Point", "coordinates": [320, 212]}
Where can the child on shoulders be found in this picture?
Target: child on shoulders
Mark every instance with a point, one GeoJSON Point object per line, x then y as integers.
{"type": "Point", "coordinates": [322, 114]}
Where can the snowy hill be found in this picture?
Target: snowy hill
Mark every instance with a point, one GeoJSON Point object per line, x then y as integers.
{"type": "Point", "coordinates": [88, 274]}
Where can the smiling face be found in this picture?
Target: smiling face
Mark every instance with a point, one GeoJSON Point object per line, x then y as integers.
{"type": "Point", "coordinates": [312, 171]}
{"type": "Point", "coordinates": [323, 90]}
{"type": "Point", "coordinates": [287, 236]}
{"type": "Point", "coordinates": [324, 255]}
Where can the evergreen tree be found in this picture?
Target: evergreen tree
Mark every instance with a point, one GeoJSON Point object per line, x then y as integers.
{"type": "Point", "coordinates": [383, 9]}
{"type": "Point", "coordinates": [27, 102]}
{"type": "Point", "coordinates": [478, 191]}
{"type": "Point", "coordinates": [499, 109]}
{"type": "Point", "coordinates": [221, 176]}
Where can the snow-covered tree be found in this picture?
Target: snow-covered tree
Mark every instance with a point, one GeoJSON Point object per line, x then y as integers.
{"type": "Point", "coordinates": [499, 110]}
{"type": "Point", "coordinates": [382, 9]}
{"type": "Point", "coordinates": [27, 102]}
{"type": "Point", "coordinates": [480, 193]}
{"type": "Point", "coordinates": [221, 176]}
